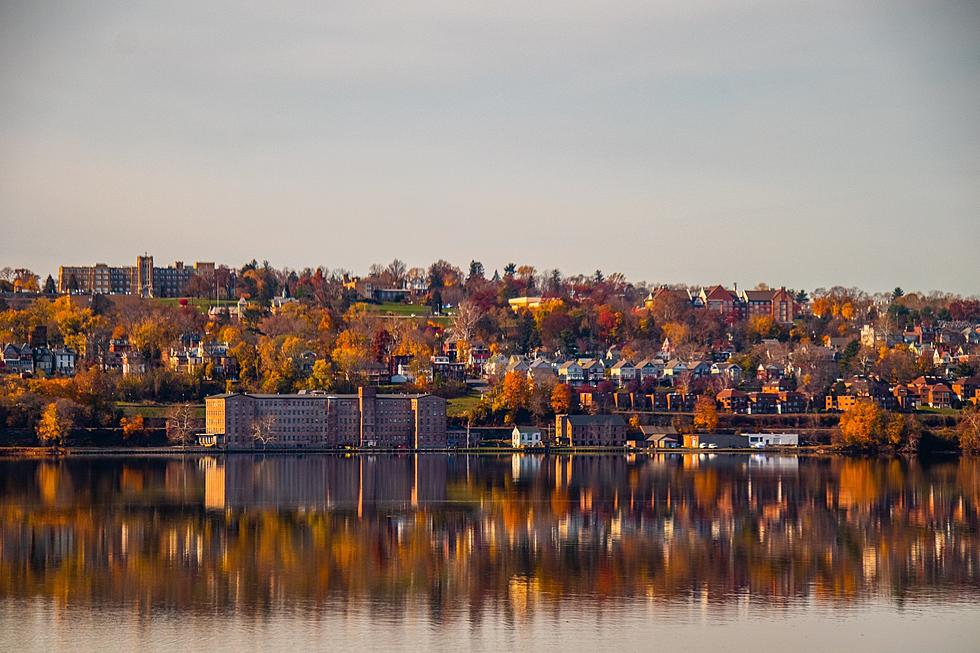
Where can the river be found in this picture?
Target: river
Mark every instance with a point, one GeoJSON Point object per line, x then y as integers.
{"type": "Point", "coordinates": [439, 552]}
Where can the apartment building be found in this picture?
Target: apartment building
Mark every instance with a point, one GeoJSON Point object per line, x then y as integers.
{"type": "Point", "coordinates": [364, 420]}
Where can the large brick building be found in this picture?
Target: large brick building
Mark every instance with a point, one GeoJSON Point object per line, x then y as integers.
{"type": "Point", "coordinates": [142, 279]}
{"type": "Point", "coordinates": [364, 420]}
{"type": "Point", "coordinates": [590, 431]}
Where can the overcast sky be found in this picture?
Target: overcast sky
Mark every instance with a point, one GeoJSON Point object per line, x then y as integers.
{"type": "Point", "coordinates": [801, 144]}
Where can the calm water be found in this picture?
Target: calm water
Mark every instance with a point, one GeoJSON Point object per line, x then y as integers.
{"type": "Point", "coordinates": [489, 553]}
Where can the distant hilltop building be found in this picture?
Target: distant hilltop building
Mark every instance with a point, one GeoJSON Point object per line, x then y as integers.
{"type": "Point", "coordinates": [142, 279]}
{"type": "Point", "coordinates": [363, 420]}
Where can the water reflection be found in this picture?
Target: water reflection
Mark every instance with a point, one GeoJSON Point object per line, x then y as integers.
{"type": "Point", "coordinates": [471, 536]}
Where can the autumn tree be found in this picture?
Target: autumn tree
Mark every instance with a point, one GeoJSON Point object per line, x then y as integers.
{"type": "Point", "coordinates": [132, 426]}
{"type": "Point", "coordinates": [969, 430]}
{"type": "Point", "coordinates": [705, 414]}
{"type": "Point", "coordinates": [861, 425]}
{"type": "Point", "coordinates": [516, 392]}
{"type": "Point", "coordinates": [903, 431]}
{"type": "Point", "coordinates": [351, 353]}
{"type": "Point", "coordinates": [561, 399]}
{"type": "Point", "coordinates": [56, 422]}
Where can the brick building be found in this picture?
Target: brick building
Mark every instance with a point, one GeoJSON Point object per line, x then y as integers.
{"type": "Point", "coordinates": [590, 430]}
{"type": "Point", "coordinates": [142, 279]}
{"type": "Point", "coordinates": [365, 420]}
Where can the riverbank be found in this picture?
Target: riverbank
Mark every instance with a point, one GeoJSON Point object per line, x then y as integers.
{"type": "Point", "coordinates": [47, 452]}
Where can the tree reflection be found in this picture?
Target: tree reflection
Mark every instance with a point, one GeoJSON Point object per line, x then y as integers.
{"type": "Point", "coordinates": [509, 533]}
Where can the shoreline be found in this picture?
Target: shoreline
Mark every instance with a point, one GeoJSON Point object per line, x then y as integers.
{"type": "Point", "coordinates": [46, 452]}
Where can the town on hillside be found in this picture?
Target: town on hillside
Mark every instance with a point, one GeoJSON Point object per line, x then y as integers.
{"type": "Point", "coordinates": [410, 357]}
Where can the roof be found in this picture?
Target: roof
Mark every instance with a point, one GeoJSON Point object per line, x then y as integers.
{"type": "Point", "coordinates": [585, 420]}
{"type": "Point", "coordinates": [729, 392]}
{"type": "Point", "coordinates": [527, 429]}
{"type": "Point", "coordinates": [313, 395]}
{"type": "Point", "coordinates": [758, 295]}
{"type": "Point", "coordinates": [657, 431]}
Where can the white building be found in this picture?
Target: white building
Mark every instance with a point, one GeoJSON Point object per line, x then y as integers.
{"type": "Point", "coordinates": [524, 437]}
{"type": "Point", "coordinates": [760, 440]}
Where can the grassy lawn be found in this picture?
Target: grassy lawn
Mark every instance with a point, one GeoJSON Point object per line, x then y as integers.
{"type": "Point", "coordinates": [201, 304]}
{"type": "Point", "coordinates": [458, 406]}
{"type": "Point", "coordinates": [938, 411]}
{"type": "Point", "coordinates": [396, 309]}
{"type": "Point", "coordinates": [131, 409]}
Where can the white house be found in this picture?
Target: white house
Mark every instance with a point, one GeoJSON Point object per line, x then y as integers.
{"type": "Point", "coordinates": [524, 437]}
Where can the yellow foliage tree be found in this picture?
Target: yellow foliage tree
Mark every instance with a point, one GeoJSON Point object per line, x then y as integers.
{"type": "Point", "coordinates": [863, 424]}
{"type": "Point", "coordinates": [56, 422]}
{"type": "Point", "coordinates": [516, 391]}
{"type": "Point", "coordinates": [705, 414]}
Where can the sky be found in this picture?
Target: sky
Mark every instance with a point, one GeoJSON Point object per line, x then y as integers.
{"type": "Point", "coordinates": [805, 144]}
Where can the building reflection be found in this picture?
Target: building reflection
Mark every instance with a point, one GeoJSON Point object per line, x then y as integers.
{"type": "Point", "coordinates": [513, 534]}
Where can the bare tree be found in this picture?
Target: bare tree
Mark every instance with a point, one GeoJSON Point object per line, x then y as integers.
{"type": "Point", "coordinates": [181, 424]}
{"type": "Point", "coordinates": [396, 271]}
{"type": "Point", "coordinates": [264, 430]}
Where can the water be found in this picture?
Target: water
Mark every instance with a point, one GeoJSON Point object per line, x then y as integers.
{"type": "Point", "coordinates": [489, 553]}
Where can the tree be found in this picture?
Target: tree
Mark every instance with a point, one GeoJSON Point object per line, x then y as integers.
{"type": "Point", "coordinates": [56, 422]}
{"type": "Point", "coordinates": [49, 287]}
{"type": "Point", "coordinates": [476, 272]}
{"type": "Point", "coordinates": [396, 270]}
{"type": "Point", "coordinates": [263, 430]}
{"type": "Point", "coordinates": [132, 426]}
{"type": "Point", "coordinates": [903, 431]}
{"type": "Point", "coordinates": [969, 430]}
{"type": "Point", "coordinates": [861, 425]}
{"type": "Point", "coordinates": [180, 424]}
{"type": "Point", "coordinates": [561, 399]}
{"type": "Point", "coordinates": [705, 414]}
{"type": "Point", "coordinates": [351, 353]}
{"type": "Point", "coordinates": [516, 391]}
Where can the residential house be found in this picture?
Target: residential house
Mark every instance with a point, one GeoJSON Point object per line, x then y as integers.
{"type": "Point", "coordinates": [733, 401]}
{"type": "Point", "coordinates": [593, 370]}
{"type": "Point", "coordinates": [675, 368]}
{"type": "Point", "coordinates": [571, 372]}
{"type": "Point", "coordinates": [789, 402]}
{"type": "Point", "coordinates": [526, 437]}
{"type": "Point", "coordinates": [541, 371]}
{"type": "Point", "coordinates": [730, 371]}
{"type": "Point", "coordinates": [762, 403]}
{"type": "Point", "coordinates": [622, 372]}
{"type": "Point", "coordinates": [699, 369]}
{"type": "Point", "coordinates": [649, 368]}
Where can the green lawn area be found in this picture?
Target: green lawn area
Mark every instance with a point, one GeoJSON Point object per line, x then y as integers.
{"type": "Point", "coordinates": [938, 411]}
{"type": "Point", "coordinates": [131, 409]}
{"type": "Point", "coordinates": [201, 304]}
{"type": "Point", "coordinates": [397, 309]}
{"type": "Point", "coordinates": [458, 406]}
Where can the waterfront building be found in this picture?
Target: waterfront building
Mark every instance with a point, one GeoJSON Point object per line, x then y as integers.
{"type": "Point", "coordinates": [590, 430]}
{"type": "Point", "coordinates": [364, 420]}
{"type": "Point", "coordinates": [523, 437]}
